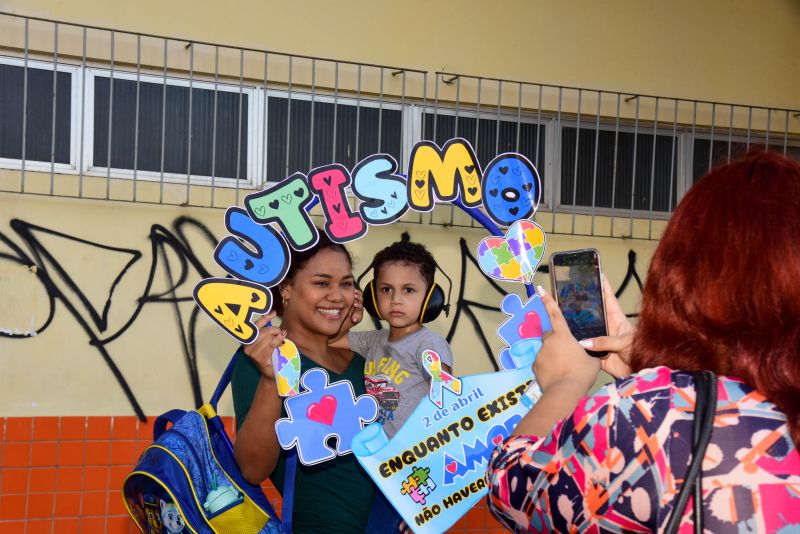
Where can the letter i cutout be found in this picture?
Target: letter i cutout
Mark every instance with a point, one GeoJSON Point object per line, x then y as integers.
{"type": "Point", "coordinates": [328, 182]}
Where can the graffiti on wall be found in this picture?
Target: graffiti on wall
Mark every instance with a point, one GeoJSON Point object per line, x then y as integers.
{"type": "Point", "coordinates": [173, 270]}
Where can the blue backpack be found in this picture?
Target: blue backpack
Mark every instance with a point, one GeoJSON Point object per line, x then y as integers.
{"type": "Point", "coordinates": [188, 480]}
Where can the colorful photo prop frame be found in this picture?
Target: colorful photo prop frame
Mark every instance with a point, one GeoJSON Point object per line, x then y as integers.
{"type": "Point", "coordinates": [256, 253]}
{"type": "Point", "coordinates": [477, 412]}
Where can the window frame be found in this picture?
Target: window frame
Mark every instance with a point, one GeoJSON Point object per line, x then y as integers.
{"type": "Point", "coordinates": [680, 169]}
{"type": "Point", "coordinates": [75, 89]}
{"type": "Point", "coordinates": [253, 128]}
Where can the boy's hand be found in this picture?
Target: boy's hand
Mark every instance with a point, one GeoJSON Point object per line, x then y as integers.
{"type": "Point", "coordinates": [358, 308]}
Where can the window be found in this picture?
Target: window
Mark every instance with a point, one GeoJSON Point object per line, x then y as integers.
{"type": "Point", "coordinates": [379, 130]}
{"type": "Point", "coordinates": [724, 149]}
{"type": "Point", "coordinates": [655, 185]}
{"type": "Point", "coordinates": [493, 137]}
{"type": "Point", "coordinates": [221, 127]}
{"type": "Point", "coordinates": [43, 139]}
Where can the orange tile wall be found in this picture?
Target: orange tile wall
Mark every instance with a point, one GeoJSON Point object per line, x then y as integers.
{"type": "Point", "coordinates": [64, 474]}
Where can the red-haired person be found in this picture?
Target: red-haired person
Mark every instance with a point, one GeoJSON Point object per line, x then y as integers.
{"type": "Point", "coordinates": [722, 294]}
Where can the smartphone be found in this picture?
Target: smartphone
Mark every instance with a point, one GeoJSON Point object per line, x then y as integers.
{"type": "Point", "coordinates": [577, 286]}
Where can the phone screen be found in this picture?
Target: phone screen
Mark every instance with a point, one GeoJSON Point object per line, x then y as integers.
{"type": "Point", "coordinates": [576, 276]}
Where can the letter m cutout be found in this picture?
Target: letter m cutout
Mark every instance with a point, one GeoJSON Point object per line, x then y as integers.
{"type": "Point", "coordinates": [441, 173]}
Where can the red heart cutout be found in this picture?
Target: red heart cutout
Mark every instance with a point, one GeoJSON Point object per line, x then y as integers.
{"type": "Point", "coordinates": [322, 411]}
{"type": "Point", "coordinates": [497, 439]}
{"type": "Point", "coordinates": [451, 466]}
{"type": "Point", "coordinates": [531, 326]}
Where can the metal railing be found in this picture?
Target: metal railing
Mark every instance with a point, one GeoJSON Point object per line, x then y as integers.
{"type": "Point", "coordinates": [115, 115]}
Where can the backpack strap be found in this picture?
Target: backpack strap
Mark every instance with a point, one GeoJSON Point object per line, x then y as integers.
{"type": "Point", "coordinates": [704, 413]}
{"type": "Point", "coordinates": [288, 489]}
{"type": "Point", "coordinates": [224, 380]}
{"type": "Point", "coordinates": [160, 425]}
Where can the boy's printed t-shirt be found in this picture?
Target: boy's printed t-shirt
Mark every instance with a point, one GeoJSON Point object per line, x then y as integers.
{"type": "Point", "coordinates": [394, 374]}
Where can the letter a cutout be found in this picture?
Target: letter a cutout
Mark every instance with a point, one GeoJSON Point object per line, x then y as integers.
{"type": "Point", "coordinates": [231, 303]}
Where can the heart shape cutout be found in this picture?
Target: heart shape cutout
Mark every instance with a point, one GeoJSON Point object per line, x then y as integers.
{"type": "Point", "coordinates": [322, 411]}
{"type": "Point", "coordinates": [514, 256]}
{"type": "Point", "coordinates": [531, 327]}
{"type": "Point", "coordinates": [451, 467]}
{"type": "Point", "coordinates": [497, 440]}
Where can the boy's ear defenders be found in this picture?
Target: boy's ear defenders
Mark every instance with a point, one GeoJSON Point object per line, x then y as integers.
{"type": "Point", "coordinates": [432, 307]}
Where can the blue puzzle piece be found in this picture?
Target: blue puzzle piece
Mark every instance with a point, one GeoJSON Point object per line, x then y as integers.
{"type": "Point", "coordinates": [522, 330]}
{"type": "Point", "coordinates": [520, 325]}
{"type": "Point", "coordinates": [323, 411]}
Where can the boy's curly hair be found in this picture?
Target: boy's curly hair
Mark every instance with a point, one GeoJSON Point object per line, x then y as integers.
{"type": "Point", "coordinates": [406, 252]}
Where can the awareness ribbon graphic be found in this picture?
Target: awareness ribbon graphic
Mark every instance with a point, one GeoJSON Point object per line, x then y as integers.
{"type": "Point", "coordinates": [440, 379]}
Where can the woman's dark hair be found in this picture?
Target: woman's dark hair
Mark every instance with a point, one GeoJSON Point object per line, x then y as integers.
{"type": "Point", "coordinates": [408, 253]}
{"type": "Point", "coordinates": [723, 288]}
{"type": "Point", "coordinates": [299, 259]}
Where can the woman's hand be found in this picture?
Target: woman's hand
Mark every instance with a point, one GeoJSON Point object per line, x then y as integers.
{"type": "Point", "coordinates": [564, 372]}
{"type": "Point", "coordinates": [561, 356]}
{"type": "Point", "coordinates": [618, 341]}
{"type": "Point", "coordinates": [260, 351]}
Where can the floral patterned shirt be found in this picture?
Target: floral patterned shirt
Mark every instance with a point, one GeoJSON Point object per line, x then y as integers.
{"type": "Point", "coordinates": [617, 463]}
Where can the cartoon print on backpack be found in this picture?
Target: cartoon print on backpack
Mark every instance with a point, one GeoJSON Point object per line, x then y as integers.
{"type": "Point", "coordinates": [153, 513]}
{"type": "Point", "coordinates": [511, 188]}
{"type": "Point", "coordinates": [170, 517]}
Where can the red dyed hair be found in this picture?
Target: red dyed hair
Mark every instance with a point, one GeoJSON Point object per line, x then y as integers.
{"type": "Point", "coordinates": [723, 288]}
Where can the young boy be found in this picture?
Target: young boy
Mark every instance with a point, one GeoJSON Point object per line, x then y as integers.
{"type": "Point", "coordinates": [394, 372]}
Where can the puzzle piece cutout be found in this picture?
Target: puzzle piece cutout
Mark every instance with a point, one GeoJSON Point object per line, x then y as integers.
{"type": "Point", "coordinates": [505, 252]}
{"type": "Point", "coordinates": [286, 362]}
{"type": "Point", "coordinates": [523, 330]}
{"type": "Point", "coordinates": [423, 478]}
{"type": "Point", "coordinates": [320, 412]}
{"type": "Point", "coordinates": [417, 496]}
{"type": "Point", "coordinates": [409, 485]}
{"type": "Point", "coordinates": [516, 255]}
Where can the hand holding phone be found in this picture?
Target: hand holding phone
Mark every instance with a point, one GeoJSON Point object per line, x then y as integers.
{"type": "Point", "coordinates": [577, 286]}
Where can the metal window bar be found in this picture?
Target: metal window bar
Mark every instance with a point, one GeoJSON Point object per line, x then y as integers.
{"type": "Point", "coordinates": [110, 120]}
{"type": "Point", "coordinates": [24, 108]}
{"type": "Point", "coordinates": [214, 129]}
{"type": "Point", "coordinates": [55, 109]}
{"type": "Point", "coordinates": [136, 114]}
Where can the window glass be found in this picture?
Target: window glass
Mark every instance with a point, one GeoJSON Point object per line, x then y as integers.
{"type": "Point", "coordinates": [37, 113]}
{"type": "Point", "coordinates": [212, 153]}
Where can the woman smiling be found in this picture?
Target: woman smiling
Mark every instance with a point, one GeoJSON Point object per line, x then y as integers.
{"type": "Point", "coordinates": [314, 299]}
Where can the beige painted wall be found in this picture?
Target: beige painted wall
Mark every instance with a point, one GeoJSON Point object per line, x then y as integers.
{"type": "Point", "coordinates": [725, 50]}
